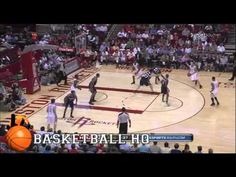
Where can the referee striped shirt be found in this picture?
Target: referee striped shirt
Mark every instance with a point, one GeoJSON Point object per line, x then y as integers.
{"type": "Point", "coordinates": [123, 117]}
{"type": "Point", "coordinates": [147, 75]}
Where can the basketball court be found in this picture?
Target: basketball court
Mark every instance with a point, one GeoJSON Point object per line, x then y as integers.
{"type": "Point", "coordinates": [189, 110]}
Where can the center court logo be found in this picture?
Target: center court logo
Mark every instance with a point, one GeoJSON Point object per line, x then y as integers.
{"type": "Point", "coordinates": [83, 121]}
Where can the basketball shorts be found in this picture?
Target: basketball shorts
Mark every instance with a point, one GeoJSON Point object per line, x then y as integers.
{"type": "Point", "coordinates": [144, 81]}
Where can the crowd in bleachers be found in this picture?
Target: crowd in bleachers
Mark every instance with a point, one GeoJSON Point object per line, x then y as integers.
{"type": "Point", "coordinates": [170, 45]}
{"type": "Point", "coordinates": [164, 45]}
{"type": "Point", "coordinates": [12, 42]}
{"type": "Point", "coordinates": [11, 98]}
{"type": "Point", "coordinates": [66, 38]}
{"type": "Point", "coordinates": [8, 56]}
{"type": "Point", "coordinates": [50, 63]}
{"type": "Point", "coordinates": [94, 34]}
{"type": "Point", "coordinates": [88, 148]}
{"type": "Point", "coordinates": [49, 66]}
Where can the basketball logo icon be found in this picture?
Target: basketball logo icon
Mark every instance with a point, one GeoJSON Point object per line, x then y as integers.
{"type": "Point", "coordinates": [18, 138]}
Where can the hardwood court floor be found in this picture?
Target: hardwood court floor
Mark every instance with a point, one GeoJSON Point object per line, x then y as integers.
{"type": "Point", "coordinates": [189, 110]}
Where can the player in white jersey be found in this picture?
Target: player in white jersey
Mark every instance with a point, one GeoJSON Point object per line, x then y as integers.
{"type": "Point", "coordinates": [75, 85]}
{"type": "Point", "coordinates": [214, 91]}
{"type": "Point", "coordinates": [136, 71]}
{"type": "Point", "coordinates": [157, 72]}
{"type": "Point", "coordinates": [193, 74]}
{"type": "Point", "coordinates": [52, 115]}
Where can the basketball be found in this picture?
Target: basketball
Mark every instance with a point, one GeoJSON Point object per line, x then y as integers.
{"type": "Point", "coordinates": [18, 138]}
{"type": "Point", "coordinates": [188, 74]}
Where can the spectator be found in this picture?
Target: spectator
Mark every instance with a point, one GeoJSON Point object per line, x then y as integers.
{"type": "Point", "coordinates": [185, 32]}
{"type": "Point", "coordinates": [73, 149]}
{"type": "Point", "coordinates": [188, 42]}
{"type": "Point", "coordinates": [17, 95]}
{"type": "Point", "coordinates": [6, 101]}
{"type": "Point", "coordinates": [34, 149]}
{"type": "Point", "coordinates": [223, 62]}
{"type": "Point", "coordinates": [3, 89]}
{"type": "Point", "coordinates": [199, 150]}
{"type": "Point", "coordinates": [91, 149]}
{"type": "Point", "coordinates": [145, 35]}
{"type": "Point", "coordinates": [139, 35]}
{"type": "Point", "coordinates": [122, 34]}
{"type": "Point", "coordinates": [130, 56]}
{"type": "Point", "coordinates": [155, 148]}
{"type": "Point", "coordinates": [144, 149]}
{"type": "Point", "coordinates": [114, 57]}
{"type": "Point", "coordinates": [136, 49]}
{"type": "Point", "coordinates": [123, 45]}
{"type": "Point", "coordinates": [188, 50]}
{"type": "Point", "coordinates": [31, 129]}
{"type": "Point", "coordinates": [181, 42]}
{"type": "Point", "coordinates": [48, 149]}
{"type": "Point", "coordinates": [176, 149]}
{"type": "Point", "coordinates": [221, 48]}
{"type": "Point", "coordinates": [210, 151]}
{"type": "Point", "coordinates": [103, 47]}
{"type": "Point", "coordinates": [130, 44]}
{"type": "Point", "coordinates": [203, 36]}
{"type": "Point", "coordinates": [2, 130]}
{"type": "Point", "coordinates": [2, 137]}
{"type": "Point", "coordinates": [125, 147]}
{"type": "Point", "coordinates": [134, 148]}
{"type": "Point", "coordinates": [50, 131]}
{"type": "Point", "coordinates": [208, 28]}
{"type": "Point", "coordinates": [160, 32]}
{"type": "Point", "coordinates": [62, 149]}
{"type": "Point", "coordinates": [212, 47]}
{"type": "Point", "coordinates": [42, 131]}
{"type": "Point", "coordinates": [186, 149]}
{"type": "Point", "coordinates": [104, 57]}
{"type": "Point", "coordinates": [101, 147]}
{"type": "Point", "coordinates": [41, 148]}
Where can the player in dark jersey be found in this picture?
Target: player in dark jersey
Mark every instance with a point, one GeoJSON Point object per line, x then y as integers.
{"type": "Point", "coordinates": [92, 88]}
{"type": "Point", "coordinates": [145, 79]}
{"type": "Point", "coordinates": [69, 101]}
{"type": "Point", "coordinates": [164, 88]}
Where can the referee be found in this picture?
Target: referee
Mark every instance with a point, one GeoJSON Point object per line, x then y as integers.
{"type": "Point", "coordinates": [61, 74]}
{"type": "Point", "coordinates": [122, 122]}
